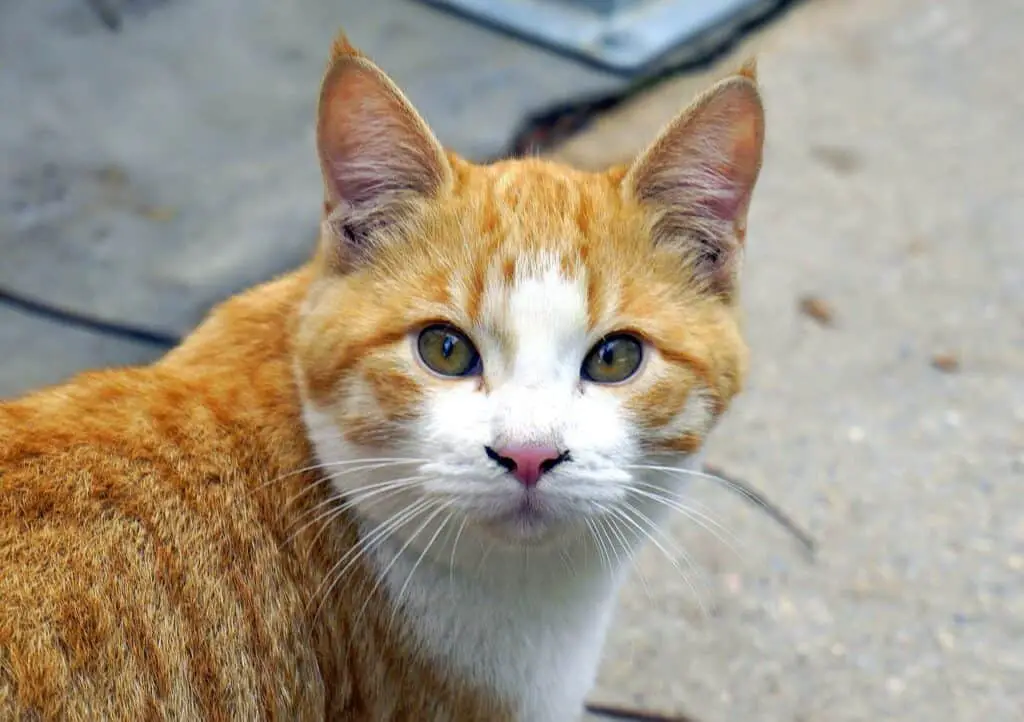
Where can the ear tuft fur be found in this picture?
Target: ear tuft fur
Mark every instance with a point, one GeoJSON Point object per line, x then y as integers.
{"type": "Point", "coordinates": [748, 69]}
{"type": "Point", "coordinates": [342, 48]}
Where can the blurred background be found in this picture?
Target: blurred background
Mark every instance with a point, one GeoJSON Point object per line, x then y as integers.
{"type": "Point", "coordinates": [157, 156]}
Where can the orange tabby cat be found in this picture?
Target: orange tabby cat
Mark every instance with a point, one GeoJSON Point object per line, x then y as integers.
{"type": "Point", "coordinates": [402, 482]}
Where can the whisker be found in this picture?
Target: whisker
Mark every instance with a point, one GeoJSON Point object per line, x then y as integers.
{"type": "Point", "coordinates": [335, 475]}
{"type": "Point", "coordinates": [377, 496]}
{"type": "Point", "coordinates": [455, 544]}
{"type": "Point", "coordinates": [567, 560]}
{"type": "Point", "coordinates": [599, 539]}
{"type": "Point", "coordinates": [332, 464]}
{"type": "Point", "coordinates": [606, 563]}
{"type": "Point", "coordinates": [484, 556]}
{"type": "Point", "coordinates": [693, 513]}
{"type": "Point", "coordinates": [750, 494]}
{"type": "Point", "coordinates": [396, 605]}
{"type": "Point", "coordinates": [333, 497]}
{"type": "Point", "coordinates": [672, 558]}
{"type": "Point", "coordinates": [381, 576]}
{"type": "Point", "coordinates": [364, 546]}
{"type": "Point", "coordinates": [612, 515]}
{"type": "Point", "coordinates": [384, 496]}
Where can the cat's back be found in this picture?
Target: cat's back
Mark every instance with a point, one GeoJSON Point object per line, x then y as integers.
{"type": "Point", "coordinates": [140, 578]}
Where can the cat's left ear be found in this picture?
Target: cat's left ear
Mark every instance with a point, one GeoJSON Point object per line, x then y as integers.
{"type": "Point", "coordinates": [379, 158]}
{"type": "Point", "coordinates": [697, 178]}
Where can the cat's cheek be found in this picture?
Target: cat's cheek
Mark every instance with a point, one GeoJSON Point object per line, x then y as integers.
{"type": "Point", "coordinates": [398, 394]}
{"type": "Point", "coordinates": [686, 430]}
{"type": "Point", "coordinates": [673, 409]}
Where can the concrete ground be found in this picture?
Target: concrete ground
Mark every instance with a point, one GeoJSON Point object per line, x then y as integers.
{"type": "Point", "coordinates": [885, 410]}
{"type": "Point", "coordinates": [892, 195]}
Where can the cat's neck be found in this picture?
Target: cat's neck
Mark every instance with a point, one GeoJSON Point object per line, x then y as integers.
{"type": "Point", "coordinates": [526, 624]}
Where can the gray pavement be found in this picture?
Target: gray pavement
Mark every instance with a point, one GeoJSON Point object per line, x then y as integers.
{"type": "Point", "coordinates": [892, 193]}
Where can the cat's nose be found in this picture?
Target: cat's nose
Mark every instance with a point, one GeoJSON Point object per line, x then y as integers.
{"type": "Point", "coordinates": [527, 463]}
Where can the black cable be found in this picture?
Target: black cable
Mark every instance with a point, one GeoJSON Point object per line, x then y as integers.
{"type": "Point", "coordinates": [85, 322]}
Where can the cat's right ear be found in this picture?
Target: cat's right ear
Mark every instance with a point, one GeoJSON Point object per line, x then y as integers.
{"type": "Point", "coordinates": [697, 178]}
{"type": "Point", "coordinates": [379, 159]}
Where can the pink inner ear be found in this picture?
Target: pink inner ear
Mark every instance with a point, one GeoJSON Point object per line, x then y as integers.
{"type": "Point", "coordinates": [698, 178]}
{"type": "Point", "coordinates": [372, 144]}
{"type": "Point", "coordinates": [723, 198]}
{"type": "Point", "coordinates": [706, 163]}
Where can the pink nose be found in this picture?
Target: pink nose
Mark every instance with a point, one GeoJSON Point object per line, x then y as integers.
{"type": "Point", "coordinates": [527, 463]}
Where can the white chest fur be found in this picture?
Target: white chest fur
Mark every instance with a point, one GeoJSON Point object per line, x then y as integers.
{"type": "Point", "coordinates": [527, 629]}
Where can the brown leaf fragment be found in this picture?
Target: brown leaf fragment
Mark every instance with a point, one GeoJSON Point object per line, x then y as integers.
{"type": "Point", "coordinates": [817, 309]}
{"type": "Point", "coordinates": [947, 363]}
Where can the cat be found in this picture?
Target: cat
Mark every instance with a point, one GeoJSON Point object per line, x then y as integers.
{"type": "Point", "coordinates": [402, 482]}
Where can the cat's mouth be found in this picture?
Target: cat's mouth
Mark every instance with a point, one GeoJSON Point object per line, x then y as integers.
{"type": "Point", "coordinates": [530, 519]}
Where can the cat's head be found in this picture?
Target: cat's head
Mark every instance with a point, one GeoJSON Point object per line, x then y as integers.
{"type": "Point", "coordinates": [507, 344]}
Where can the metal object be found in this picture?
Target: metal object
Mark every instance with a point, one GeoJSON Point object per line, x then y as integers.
{"type": "Point", "coordinates": [625, 36]}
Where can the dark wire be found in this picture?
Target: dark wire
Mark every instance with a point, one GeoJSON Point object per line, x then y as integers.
{"type": "Point", "coordinates": [86, 322]}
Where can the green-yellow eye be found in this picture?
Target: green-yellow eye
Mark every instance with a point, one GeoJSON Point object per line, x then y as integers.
{"type": "Point", "coordinates": [447, 351]}
{"type": "Point", "coordinates": [613, 359]}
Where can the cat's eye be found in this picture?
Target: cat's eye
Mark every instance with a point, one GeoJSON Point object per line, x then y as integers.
{"type": "Point", "coordinates": [447, 351]}
{"type": "Point", "coordinates": [613, 360]}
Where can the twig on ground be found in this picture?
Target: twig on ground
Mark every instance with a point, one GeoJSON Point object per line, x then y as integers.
{"type": "Point", "coordinates": [759, 500]}
{"type": "Point", "coordinates": [629, 715]}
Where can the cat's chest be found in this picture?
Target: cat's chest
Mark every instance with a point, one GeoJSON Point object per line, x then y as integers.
{"type": "Point", "coordinates": [534, 643]}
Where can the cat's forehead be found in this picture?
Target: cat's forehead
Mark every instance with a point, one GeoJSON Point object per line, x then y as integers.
{"type": "Point", "coordinates": [537, 317]}
{"type": "Point", "coordinates": [528, 193]}
{"type": "Point", "coordinates": [541, 286]}
{"type": "Point", "coordinates": [542, 248]}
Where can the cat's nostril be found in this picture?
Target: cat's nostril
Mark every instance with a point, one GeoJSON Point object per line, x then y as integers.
{"type": "Point", "coordinates": [527, 463]}
{"type": "Point", "coordinates": [507, 463]}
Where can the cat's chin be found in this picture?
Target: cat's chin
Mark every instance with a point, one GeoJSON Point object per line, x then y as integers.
{"type": "Point", "coordinates": [527, 526]}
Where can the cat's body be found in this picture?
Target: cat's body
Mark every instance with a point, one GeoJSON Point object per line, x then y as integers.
{"type": "Point", "coordinates": [401, 483]}
{"type": "Point", "coordinates": [149, 555]}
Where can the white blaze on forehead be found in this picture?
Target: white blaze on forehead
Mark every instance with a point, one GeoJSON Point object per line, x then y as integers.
{"type": "Point", "coordinates": [544, 315]}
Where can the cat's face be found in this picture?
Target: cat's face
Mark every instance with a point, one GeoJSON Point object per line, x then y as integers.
{"type": "Point", "coordinates": [507, 345]}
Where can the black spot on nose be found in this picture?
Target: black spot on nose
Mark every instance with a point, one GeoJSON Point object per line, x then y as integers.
{"type": "Point", "coordinates": [502, 461]}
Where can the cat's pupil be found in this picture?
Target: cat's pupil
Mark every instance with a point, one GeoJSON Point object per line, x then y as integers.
{"type": "Point", "coordinates": [608, 354]}
{"type": "Point", "coordinates": [448, 345]}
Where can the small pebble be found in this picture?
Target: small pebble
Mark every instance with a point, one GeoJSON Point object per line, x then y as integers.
{"type": "Point", "coordinates": [786, 609]}
{"type": "Point", "coordinates": [896, 686]}
{"type": "Point", "coordinates": [983, 545]}
{"type": "Point", "coordinates": [946, 639]}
